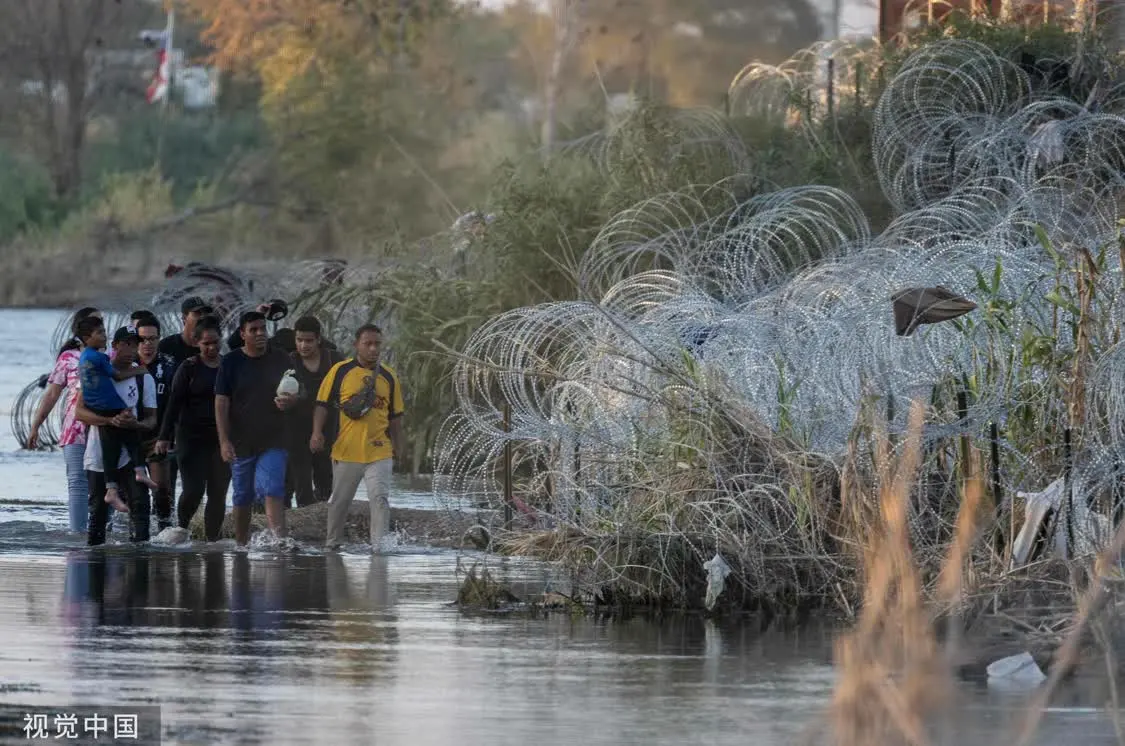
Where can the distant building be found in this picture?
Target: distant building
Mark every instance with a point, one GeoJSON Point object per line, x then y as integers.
{"type": "Point", "coordinates": [199, 87]}
{"type": "Point", "coordinates": [194, 86]}
{"type": "Point", "coordinates": [130, 70]}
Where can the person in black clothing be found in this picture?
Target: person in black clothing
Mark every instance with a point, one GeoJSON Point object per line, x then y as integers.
{"type": "Point", "coordinates": [309, 476]}
{"type": "Point", "coordinates": [249, 415]}
{"type": "Point", "coordinates": [189, 424]}
{"type": "Point", "coordinates": [285, 340]}
{"type": "Point", "coordinates": [172, 352]}
{"type": "Point", "coordinates": [274, 310]}
{"type": "Point", "coordinates": [179, 347]}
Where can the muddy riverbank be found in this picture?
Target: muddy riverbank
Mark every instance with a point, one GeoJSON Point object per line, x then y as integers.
{"type": "Point", "coordinates": [443, 529]}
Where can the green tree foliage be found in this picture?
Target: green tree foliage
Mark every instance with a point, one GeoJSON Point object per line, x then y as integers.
{"type": "Point", "coordinates": [27, 199]}
{"type": "Point", "coordinates": [190, 150]}
{"type": "Point", "coordinates": [549, 213]}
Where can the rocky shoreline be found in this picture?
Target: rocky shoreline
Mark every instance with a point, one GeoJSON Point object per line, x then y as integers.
{"type": "Point", "coordinates": [435, 528]}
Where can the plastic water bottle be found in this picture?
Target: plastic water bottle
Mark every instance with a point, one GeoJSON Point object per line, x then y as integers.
{"type": "Point", "coordinates": [289, 384]}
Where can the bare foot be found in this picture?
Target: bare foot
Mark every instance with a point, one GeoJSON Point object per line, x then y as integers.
{"type": "Point", "coordinates": [146, 480]}
{"type": "Point", "coordinates": [112, 498]}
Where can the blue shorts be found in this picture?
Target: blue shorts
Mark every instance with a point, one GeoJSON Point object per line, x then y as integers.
{"type": "Point", "coordinates": [255, 478]}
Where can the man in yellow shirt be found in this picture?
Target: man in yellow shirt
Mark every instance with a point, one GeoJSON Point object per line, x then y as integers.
{"type": "Point", "coordinates": [364, 396]}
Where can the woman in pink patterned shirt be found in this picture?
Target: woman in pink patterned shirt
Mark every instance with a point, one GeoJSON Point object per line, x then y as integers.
{"type": "Point", "coordinates": [73, 436]}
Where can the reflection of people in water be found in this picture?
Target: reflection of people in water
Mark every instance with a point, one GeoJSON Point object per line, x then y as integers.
{"type": "Point", "coordinates": [76, 589]}
{"type": "Point", "coordinates": [202, 581]}
{"type": "Point", "coordinates": [107, 588]}
{"type": "Point", "coordinates": [266, 595]}
{"type": "Point", "coordinates": [256, 603]}
{"type": "Point", "coordinates": [363, 617]}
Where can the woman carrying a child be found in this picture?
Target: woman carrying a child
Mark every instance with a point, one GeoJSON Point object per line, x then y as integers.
{"type": "Point", "coordinates": [72, 440]}
{"type": "Point", "coordinates": [99, 377]}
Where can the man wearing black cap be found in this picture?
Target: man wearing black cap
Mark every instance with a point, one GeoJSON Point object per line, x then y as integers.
{"type": "Point", "coordinates": [179, 347]}
{"type": "Point", "coordinates": [172, 351]}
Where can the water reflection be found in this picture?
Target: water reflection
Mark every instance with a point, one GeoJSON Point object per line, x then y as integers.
{"type": "Point", "coordinates": [319, 596]}
{"type": "Point", "coordinates": [257, 594]}
{"type": "Point", "coordinates": [303, 649]}
{"type": "Point", "coordinates": [103, 590]}
{"type": "Point", "coordinates": [202, 582]}
{"type": "Point", "coordinates": [363, 620]}
{"type": "Point", "coordinates": [131, 589]}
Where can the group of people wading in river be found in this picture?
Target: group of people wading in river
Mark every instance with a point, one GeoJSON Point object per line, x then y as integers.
{"type": "Point", "coordinates": [272, 423]}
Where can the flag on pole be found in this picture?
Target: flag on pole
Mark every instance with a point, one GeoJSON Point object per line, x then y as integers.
{"type": "Point", "coordinates": [158, 88]}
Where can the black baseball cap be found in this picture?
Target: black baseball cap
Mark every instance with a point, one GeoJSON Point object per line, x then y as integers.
{"type": "Point", "coordinates": [195, 303]}
{"type": "Point", "coordinates": [126, 334]}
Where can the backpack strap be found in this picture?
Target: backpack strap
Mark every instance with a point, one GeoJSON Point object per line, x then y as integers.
{"type": "Point", "coordinates": [391, 382]}
{"type": "Point", "coordinates": [140, 396]}
{"type": "Point", "coordinates": [332, 424]}
{"type": "Point", "coordinates": [338, 381]}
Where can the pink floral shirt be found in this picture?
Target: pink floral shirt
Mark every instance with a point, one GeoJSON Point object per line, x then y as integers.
{"type": "Point", "coordinates": [65, 374]}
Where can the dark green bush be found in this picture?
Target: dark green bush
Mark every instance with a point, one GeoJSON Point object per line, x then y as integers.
{"type": "Point", "coordinates": [197, 148]}
{"type": "Point", "coordinates": [27, 200]}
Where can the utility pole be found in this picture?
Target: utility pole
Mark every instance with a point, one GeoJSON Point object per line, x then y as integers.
{"type": "Point", "coordinates": [565, 14]}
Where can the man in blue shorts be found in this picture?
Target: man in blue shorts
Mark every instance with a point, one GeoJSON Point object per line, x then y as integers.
{"type": "Point", "coordinates": [251, 424]}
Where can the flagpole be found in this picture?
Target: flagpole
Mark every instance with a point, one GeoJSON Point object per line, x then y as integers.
{"type": "Point", "coordinates": [169, 47]}
{"type": "Point", "coordinates": [171, 50]}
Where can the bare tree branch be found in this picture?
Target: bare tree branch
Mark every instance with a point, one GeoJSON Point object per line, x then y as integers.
{"type": "Point", "coordinates": [51, 43]}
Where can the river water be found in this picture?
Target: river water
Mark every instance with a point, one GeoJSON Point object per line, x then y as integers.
{"type": "Point", "coordinates": [310, 648]}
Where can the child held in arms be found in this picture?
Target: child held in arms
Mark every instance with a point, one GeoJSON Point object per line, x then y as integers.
{"type": "Point", "coordinates": [97, 375]}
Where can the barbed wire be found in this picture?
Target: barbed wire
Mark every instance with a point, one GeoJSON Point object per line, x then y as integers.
{"type": "Point", "coordinates": [717, 361]}
{"type": "Point", "coordinates": [25, 406]}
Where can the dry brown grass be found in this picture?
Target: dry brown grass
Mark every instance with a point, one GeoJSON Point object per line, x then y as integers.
{"type": "Point", "coordinates": [892, 675]}
{"type": "Point", "coordinates": [896, 675]}
{"type": "Point", "coordinates": [619, 569]}
{"type": "Point", "coordinates": [767, 507]}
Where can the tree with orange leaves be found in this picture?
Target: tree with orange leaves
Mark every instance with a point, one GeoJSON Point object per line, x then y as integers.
{"type": "Point", "coordinates": [282, 40]}
{"type": "Point", "coordinates": [345, 93]}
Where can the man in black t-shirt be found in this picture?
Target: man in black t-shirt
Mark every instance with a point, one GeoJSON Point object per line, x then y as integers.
{"type": "Point", "coordinates": [179, 347]}
{"type": "Point", "coordinates": [172, 352]}
{"type": "Point", "coordinates": [249, 414]}
{"type": "Point", "coordinates": [309, 474]}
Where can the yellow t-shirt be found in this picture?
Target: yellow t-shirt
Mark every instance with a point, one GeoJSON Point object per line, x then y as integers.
{"type": "Point", "coordinates": [364, 440]}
